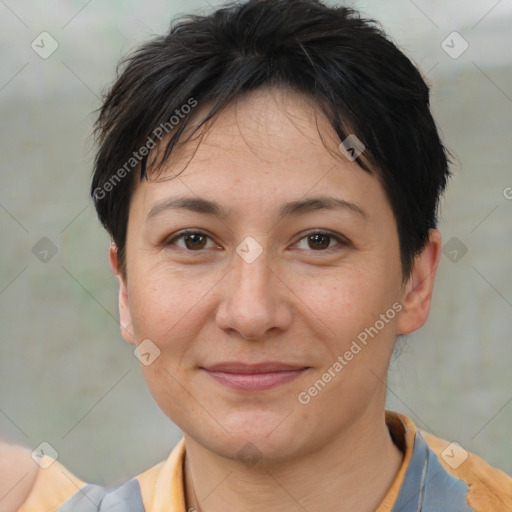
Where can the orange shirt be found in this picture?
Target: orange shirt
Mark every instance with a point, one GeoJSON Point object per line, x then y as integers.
{"type": "Point", "coordinates": [435, 476]}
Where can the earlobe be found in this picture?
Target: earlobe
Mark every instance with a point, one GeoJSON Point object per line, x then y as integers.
{"type": "Point", "coordinates": [125, 319]}
{"type": "Point", "coordinates": [417, 292]}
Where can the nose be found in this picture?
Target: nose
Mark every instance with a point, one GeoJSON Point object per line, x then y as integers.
{"type": "Point", "coordinates": [255, 300]}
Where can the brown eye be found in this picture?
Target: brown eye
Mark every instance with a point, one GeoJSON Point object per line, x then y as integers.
{"type": "Point", "coordinates": [196, 241]}
{"type": "Point", "coordinates": [320, 242]}
{"type": "Point", "coordinates": [191, 241]}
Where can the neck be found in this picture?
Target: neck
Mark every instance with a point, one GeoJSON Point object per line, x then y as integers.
{"type": "Point", "coordinates": [362, 461]}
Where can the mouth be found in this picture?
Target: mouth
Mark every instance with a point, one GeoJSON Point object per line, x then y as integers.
{"type": "Point", "coordinates": [254, 377]}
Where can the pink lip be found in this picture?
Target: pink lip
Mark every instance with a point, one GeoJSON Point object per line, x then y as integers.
{"type": "Point", "coordinates": [254, 377]}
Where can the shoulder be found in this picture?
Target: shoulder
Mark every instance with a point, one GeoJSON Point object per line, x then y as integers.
{"type": "Point", "coordinates": [442, 475]}
{"type": "Point", "coordinates": [18, 472]}
{"type": "Point", "coordinates": [489, 489]}
{"type": "Point", "coordinates": [47, 486]}
{"type": "Point", "coordinates": [44, 483]}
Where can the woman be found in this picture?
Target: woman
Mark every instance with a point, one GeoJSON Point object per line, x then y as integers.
{"type": "Point", "coordinates": [270, 176]}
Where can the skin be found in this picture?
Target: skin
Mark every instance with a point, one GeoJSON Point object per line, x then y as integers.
{"type": "Point", "coordinates": [18, 474]}
{"type": "Point", "coordinates": [200, 303]}
{"type": "Point", "coordinates": [297, 303]}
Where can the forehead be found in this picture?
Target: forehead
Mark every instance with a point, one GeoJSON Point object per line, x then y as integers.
{"type": "Point", "coordinates": [272, 124]}
{"type": "Point", "coordinates": [271, 142]}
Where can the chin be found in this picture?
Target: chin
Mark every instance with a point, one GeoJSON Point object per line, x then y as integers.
{"type": "Point", "coordinates": [264, 437]}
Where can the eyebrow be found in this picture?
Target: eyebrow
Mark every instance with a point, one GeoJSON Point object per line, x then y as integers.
{"type": "Point", "coordinates": [293, 208]}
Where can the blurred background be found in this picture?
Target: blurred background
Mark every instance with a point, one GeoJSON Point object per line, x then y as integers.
{"type": "Point", "coordinates": [66, 375]}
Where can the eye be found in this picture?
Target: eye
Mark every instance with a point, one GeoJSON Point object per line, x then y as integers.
{"type": "Point", "coordinates": [320, 241]}
{"type": "Point", "coordinates": [192, 241]}
{"type": "Point", "coordinates": [196, 241]}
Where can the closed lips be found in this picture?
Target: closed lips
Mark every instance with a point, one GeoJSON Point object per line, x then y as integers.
{"type": "Point", "coordinates": [254, 377]}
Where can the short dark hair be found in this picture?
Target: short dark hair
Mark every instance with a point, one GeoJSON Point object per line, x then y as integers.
{"type": "Point", "coordinates": [355, 75]}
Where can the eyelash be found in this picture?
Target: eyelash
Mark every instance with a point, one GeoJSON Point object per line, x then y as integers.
{"type": "Point", "coordinates": [341, 241]}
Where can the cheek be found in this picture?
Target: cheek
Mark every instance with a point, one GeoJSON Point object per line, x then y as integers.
{"type": "Point", "coordinates": [349, 300]}
{"type": "Point", "coordinates": [167, 305]}
{"type": "Point", "coordinates": [357, 308]}
{"type": "Point", "coordinates": [358, 311]}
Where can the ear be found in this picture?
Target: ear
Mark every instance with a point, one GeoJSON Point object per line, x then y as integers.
{"type": "Point", "coordinates": [417, 292]}
{"type": "Point", "coordinates": [125, 317]}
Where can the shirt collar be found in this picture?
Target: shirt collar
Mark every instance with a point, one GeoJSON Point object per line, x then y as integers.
{"type": "Point", "coordinates": [163, 487]}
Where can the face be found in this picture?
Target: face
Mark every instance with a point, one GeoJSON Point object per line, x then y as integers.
{"type": "Point", "coordinates": [256, 274]}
